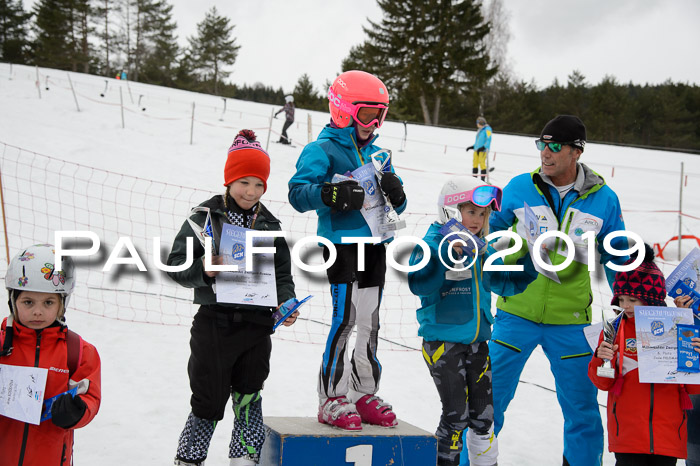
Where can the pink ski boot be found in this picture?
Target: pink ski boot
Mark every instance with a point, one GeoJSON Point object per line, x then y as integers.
{"type": "Point", "coordinates": [373, 410]}
{"type": "Point", "coordinates": [339, 412]}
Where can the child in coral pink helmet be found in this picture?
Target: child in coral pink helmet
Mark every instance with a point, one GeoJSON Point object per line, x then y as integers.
{"type": "Point", "coordinates": [348, 384]}
{"type": "Point", "coordinates": [35, 335]}
{"type": "Point", "coordinates": [230, 343]}
{"type": "Point", "coordinates": [646, 421]}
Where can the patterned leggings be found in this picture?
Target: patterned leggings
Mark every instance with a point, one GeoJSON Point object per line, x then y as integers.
{"type": "Point", "coordinates": [247, 437]}
{"type": "Point", "coordinates": [462, 375]}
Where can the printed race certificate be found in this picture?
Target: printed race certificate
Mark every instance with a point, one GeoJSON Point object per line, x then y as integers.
{"type": "Point", "coordinates": [657, 344]}
{"type": "Point", "coordinates": [22, 392]}
{"type": "Point", "coordinates": [256, 286]}
{"type": "Point", "coordinates": [374, 204]}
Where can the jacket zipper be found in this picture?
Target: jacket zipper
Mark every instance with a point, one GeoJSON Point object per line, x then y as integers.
{"type": "Point", "coordinates": [478, 305]}
{"type": "Point", "coordinates": [26, 425]}
{"type": "Point", "coordinates": [651, 415]}
{"type": "Point", "coordinates": [617, 422]}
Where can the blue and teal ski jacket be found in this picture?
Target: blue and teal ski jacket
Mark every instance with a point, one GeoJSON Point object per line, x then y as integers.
{"type": "Point", "coordinates": [460, 311]}
{"type": "Point", "coordinates": [483, 138]}
{"type": "Point", "coordinates": [590, 206]}
{"type": "Point", "coordinates": [335, 151]}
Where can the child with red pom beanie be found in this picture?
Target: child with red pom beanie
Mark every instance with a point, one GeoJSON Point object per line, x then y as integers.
{"type": "Point", "coordinates": [646, 421]}
{"type": "Point", "coordinates": [230, 343]}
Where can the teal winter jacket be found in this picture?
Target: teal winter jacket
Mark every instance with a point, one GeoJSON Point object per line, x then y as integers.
{"type": "Point", "coordinates": [335, 151]}
{"type": "Point", "coordinates": [460, 311]}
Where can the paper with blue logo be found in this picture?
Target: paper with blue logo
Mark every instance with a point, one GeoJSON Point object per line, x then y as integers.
{"type": "Point", "coordinates": [256, 286]}
{"type": "Point", "coordinates": [657, 344]}
{"type": "Point", "coordinates": [455, 230]}
{"type": "Point", "coordinates": [685, 281]}
{"type": "Point", "coordinates": [22, 391]}
{"type": "Point", "coordinates": [532, 231]}
{"type": "Point", "coordinates": [374, 204]}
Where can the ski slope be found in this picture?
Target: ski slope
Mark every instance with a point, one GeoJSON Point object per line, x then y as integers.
{"type": "Point", "coordinates": [145, 386]}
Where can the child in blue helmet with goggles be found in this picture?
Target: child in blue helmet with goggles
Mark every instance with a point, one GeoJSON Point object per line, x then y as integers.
{"type": "Point", "coordinates": [455, 318]}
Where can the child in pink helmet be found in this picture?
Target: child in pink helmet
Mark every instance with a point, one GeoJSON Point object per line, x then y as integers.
{"type": "Point", "coordinates": [348, 384]}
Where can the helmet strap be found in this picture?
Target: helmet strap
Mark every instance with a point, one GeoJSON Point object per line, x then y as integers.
{"type": "Point", "coordinates": [9, 332]}
{"type": "Point", "coordinates": [11, 301]}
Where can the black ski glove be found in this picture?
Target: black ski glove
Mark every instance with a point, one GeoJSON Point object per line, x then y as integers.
{"type": "Point", "coordinates": [391, 185]}
{"type": "Point", "coordinates": [469, 148]}
{"type": "Point", "coordinates": [480, 149]}
{"type": "Point", "coordinates": [344, 196]}
{"type": "Point", "coordinates": [67, 410]}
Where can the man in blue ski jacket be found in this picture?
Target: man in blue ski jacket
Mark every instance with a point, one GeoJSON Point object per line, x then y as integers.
{"type": "Point", "coordinates": [567, 196]}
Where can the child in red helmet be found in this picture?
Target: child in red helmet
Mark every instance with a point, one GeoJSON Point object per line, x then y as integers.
{"type": "Point", "coordinates": [646, 421]}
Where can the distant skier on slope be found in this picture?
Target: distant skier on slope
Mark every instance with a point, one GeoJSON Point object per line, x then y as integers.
{"type": "Point", "coordinates": [288, 110]}
{"type": "Point", "coordinates": [481, 147]}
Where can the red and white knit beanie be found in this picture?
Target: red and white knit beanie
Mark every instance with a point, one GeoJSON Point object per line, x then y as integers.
{"type": "Point", "coordinates": [646, 282]}
{"type": "Point", "coordinates": [246, 157]}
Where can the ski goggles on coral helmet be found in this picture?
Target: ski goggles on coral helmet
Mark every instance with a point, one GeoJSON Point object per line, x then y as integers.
{"type": "Point", "coordinates": [365, 114]}
{"type": "Point", "coordinates": [482, 196]}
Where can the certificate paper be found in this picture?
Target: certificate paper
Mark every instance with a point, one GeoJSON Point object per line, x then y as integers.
{"type": "Point", "coordinates": [657, 345]}
{"type": "Point", "coordinates": [684, 279]}
{"type": "Point", "coordinates": [374, 204]}
{"type": "Point", "coordinates": [255, 287]}
{"type": "Point", "coordinates": [22, 392]}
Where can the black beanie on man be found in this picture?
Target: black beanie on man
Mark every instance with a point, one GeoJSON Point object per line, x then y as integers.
{"type": "Point", "coordinates": [565, 128]}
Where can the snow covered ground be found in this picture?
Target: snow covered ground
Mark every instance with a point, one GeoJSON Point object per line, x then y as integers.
{"type": "Point", "coordinates": [145, 386]}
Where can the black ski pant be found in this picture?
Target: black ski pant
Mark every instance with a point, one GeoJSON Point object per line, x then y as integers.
{"type": "Point", "coordinates": [639, 459]}
{"type": "Point", "coordinates": [286, 126]}
{"type": "Point", "coordinates": [227, 355]}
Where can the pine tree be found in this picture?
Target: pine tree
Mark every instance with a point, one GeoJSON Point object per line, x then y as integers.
{"type": "Point", "coordinates": [81, 12]}
{"type": "Point", "coordinates": [159, 66]}
{"type": "Point", "coordinates": [105, 23]}
{"type": "Point", "coordinates": [213, 48]}
{"type": "Point", "coordinates": [429, 49]}
{"type": "Point", "coordinates": [14, 45]}
{"type": "Point", "coordinates": [53, 45]}
{"type": "Point", "coordinates": [304, 94]}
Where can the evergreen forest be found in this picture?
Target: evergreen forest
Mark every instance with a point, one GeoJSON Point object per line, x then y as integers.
{"type": "Point", "coordinates": [443, 61]}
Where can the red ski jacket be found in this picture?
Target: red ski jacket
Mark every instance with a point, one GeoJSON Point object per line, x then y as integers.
{"type": "Point", "coordinates": [24, 444]}
{"type": "Point", "coordinates": [644, 417]}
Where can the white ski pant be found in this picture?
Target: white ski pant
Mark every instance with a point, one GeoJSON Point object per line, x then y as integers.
{"type": "Point", "coordinates": [352, 307]}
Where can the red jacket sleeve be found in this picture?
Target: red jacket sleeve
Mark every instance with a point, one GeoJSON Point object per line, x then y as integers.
{"type": "Point", "coordinates": [603, 383]}
{"type": "Point", "coordinates": [89, 381]}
